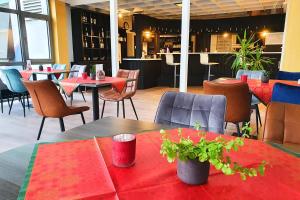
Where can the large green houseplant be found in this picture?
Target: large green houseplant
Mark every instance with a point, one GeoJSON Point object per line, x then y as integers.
{"type": "Point", "coordinates": [205, 152]}
{"type": "Point", "coordinates": [250, 54]}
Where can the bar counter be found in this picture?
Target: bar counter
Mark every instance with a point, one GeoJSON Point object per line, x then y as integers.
{"type": "Point", "coordinates": [155, 72]}
{"type": "Point", "coordinates": [150, 70]}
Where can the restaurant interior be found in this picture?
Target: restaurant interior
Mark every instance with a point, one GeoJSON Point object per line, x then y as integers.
{"type": "Point", "coordinates": [156, 99]}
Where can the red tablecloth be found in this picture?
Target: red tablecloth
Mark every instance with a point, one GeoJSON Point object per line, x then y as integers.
{"type": "Point", "coordinates": [68, 170]}
{"type": "Point", "coordinates": [76, 169]}
{"type": "Point", "coordinates": [152, 177]}
{"type": "Point", "coordinates": [263, 91]}
{"type": "Point", "coordinates": [26, 74]}
{"type": "Point", "coordinates": [69, 85]}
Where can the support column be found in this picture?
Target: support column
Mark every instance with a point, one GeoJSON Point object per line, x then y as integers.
{"type": "Point", "coordinates": [291, 40]}
{"type": "Point", "coordinates": [114, 36]}
{"type": "Point", "coordinates": [60, 44]}
{"type": "Point", "coordinates": [184, 58]}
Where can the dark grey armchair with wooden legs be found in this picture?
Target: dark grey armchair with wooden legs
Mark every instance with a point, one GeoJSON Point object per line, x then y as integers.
{"type": "Point", "coordinates": [180, 109]}
{"type": "Point", "coordinates": [48, 102]}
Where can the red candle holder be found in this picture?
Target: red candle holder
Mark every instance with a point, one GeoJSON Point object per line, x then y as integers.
{"type": "Point", "coordinates": [123, 150]}
{"type": "Point", "coordinates": [84, 75]}
{"type": "Point", "coordinates": [49, 69]}
{"type": "Point", "coordinates": [244, 78]}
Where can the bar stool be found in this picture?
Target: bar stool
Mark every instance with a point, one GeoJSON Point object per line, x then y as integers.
{"type": "Point", "coordinates": [170, 61]}
{"type": "Point", "coordinates": [204, 61]}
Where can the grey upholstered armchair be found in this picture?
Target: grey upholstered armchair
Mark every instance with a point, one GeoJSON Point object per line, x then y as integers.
{"type": "Point", "coordinates": [184, 110]}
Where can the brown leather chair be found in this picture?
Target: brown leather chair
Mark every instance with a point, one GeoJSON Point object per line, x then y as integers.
{"type": "Point", "coordinates": [282, 125]}
{"type": "Point", "coordinates": [48, 102]}
{"type": "Point", "coordinates": [127, 93]}
{"type": "Point", "coordinates": [238, 97]}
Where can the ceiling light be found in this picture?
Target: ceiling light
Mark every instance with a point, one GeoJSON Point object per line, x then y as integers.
{"type": "Point", "coordinates": [120, 15]}
{"type": "Point", "coordinates": [225, 35]}
{"type": "Point", "coordinates": [264, 33]}
{"type": "Point", "coordinates": [178, 4]}
{"type": "Point", "coordinates": [147, 34]}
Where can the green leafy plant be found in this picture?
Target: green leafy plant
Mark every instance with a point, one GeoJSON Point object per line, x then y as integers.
{"type": "Point", "coordinates": [208, 150]}
{"type": "Point", "coordinates": [259, 62]}
{"type": "Point", "coordinates": [93, 69]}
{"type": "Point", "coordinates": [250, 55]}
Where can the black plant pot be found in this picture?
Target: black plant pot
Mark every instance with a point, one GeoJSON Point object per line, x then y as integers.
{"type": "Point", "coordinates": [265, 79]}
{"type": "Point", "coordinates": [93, 76]}
{"type": "Point", "coordinates": [193, 172]}
{"type": "Point", "coordinates": [41, 68]}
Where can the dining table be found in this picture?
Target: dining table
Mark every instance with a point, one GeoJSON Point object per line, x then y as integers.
{"type": "Point", "coordinates": [77, 164]}
{"type": "Point", "coordinates": [26, 74]}
{"type": "Point", "coordinates": [262, 91]}
{"type": "Point", "coordinates": [70, 84]}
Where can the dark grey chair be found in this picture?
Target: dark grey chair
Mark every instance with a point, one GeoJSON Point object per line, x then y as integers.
{"type": "Point", "coordinates": [185, 109]}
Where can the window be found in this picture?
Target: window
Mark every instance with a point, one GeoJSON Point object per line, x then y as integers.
{"type": "Point", "coordinates": [24, 32]}
{"type": "Point", "coordinates": [11, 4]}
{"type": "Point", "coordinates": [34, 6]}
{"type": "Point", "coordinates": [10, 47]}
{"type": "Point", "coordinates": [37, 38]}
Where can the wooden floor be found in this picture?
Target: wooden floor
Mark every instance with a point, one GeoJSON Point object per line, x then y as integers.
{"type": "Point", "coordinates": [15, 130]}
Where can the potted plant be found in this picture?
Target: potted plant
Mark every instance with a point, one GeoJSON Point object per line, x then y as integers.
{"type": "Point", "coordinates": [93, 72]}
{"type": "Point", "coordinates": [194, 158]}
{"type": "Point", "coordinates": [266, 77]}
{"type": "Point", "coordinates": [250, 55]}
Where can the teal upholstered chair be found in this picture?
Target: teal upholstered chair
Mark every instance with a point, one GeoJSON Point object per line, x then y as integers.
{"type": "Point", "coordinates": [13, 80]}
{"type": "Point", "coordinates": [258, 74]}
{"type": "Point", "coordinates": [59, 67]}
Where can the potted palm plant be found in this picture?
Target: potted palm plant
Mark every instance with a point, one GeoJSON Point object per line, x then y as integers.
{"type": "Point", "coordinates": [194, 158]}
{"type": "Point", "coordinates": [93, 72]}
{"type": "Point", "coordinates": [250, 55]}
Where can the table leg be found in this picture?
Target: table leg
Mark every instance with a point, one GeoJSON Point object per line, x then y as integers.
{"type": "Point", "coordinates": [175, 76]}
{"type": "Point", "coordinates": [208, 78]}
{"type": "Point", "coordinates": [34, 77]}
{"type": "Point", "coordinates": [95, 99]}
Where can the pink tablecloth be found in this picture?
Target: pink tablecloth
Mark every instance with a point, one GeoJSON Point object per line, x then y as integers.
{"type": "Point", "coordinates": [69, 85]}
{"type": "Point", "coordinates": [263, 91]}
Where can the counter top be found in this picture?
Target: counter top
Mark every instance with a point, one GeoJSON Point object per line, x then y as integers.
{"type": "Point", "coordinates": [143, 59]}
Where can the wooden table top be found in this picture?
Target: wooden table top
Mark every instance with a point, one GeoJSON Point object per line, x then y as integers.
{"type": "Point", "coordinates": [14, 163]}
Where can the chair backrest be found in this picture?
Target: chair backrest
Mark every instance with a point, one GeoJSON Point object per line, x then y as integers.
{"type": "Point", "coordinates": [291, 76]}
{"type": "Point", "coordinates": [185, 110]}
{"type": "Point", "coordinates": [2, 85]}
{"type": "Point", "coordinates": [79, 68]}
{"type": "Point", "coordinates": [169, 59]}
{"type": "Point", "coordinates": [204, 58]}
{"type": "Point", "coordinates": [131, 86]}
{"type": "Point", "coordinates": [238, 99]}
{"type": "Point", "coordinates": [12, 79]}
{"type": "Point", "coordinates": [59, 67]}
{"type": "Point", "coordinates": [286, 93]}
{"type": "Point", "coordinates": [282, 123]}
{"type": "Point", "coordinates": [46, 98]}
{"type": "Point", "coordinates": [257, 74]}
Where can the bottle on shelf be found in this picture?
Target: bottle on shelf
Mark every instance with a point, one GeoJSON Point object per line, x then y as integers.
{"type": "Point", "coordinates": [92, 20]}
{"type": "Point", "coordinates": [93, 44]}
{"type": "Point", "coordinates": [86, 31]}
{"type": "Point", "coordinates": [102, 33]}
{"type": "Point", "coordinates": [86, 44]}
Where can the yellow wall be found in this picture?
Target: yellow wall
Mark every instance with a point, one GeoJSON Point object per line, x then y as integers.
{"type": "Point", "coordinates": [291, 47]}
{"type": "Point", "coordinates": [59, 32]}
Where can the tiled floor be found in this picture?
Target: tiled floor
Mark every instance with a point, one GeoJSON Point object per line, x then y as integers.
{"type": "Point", "coordinates": [15, 130]}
